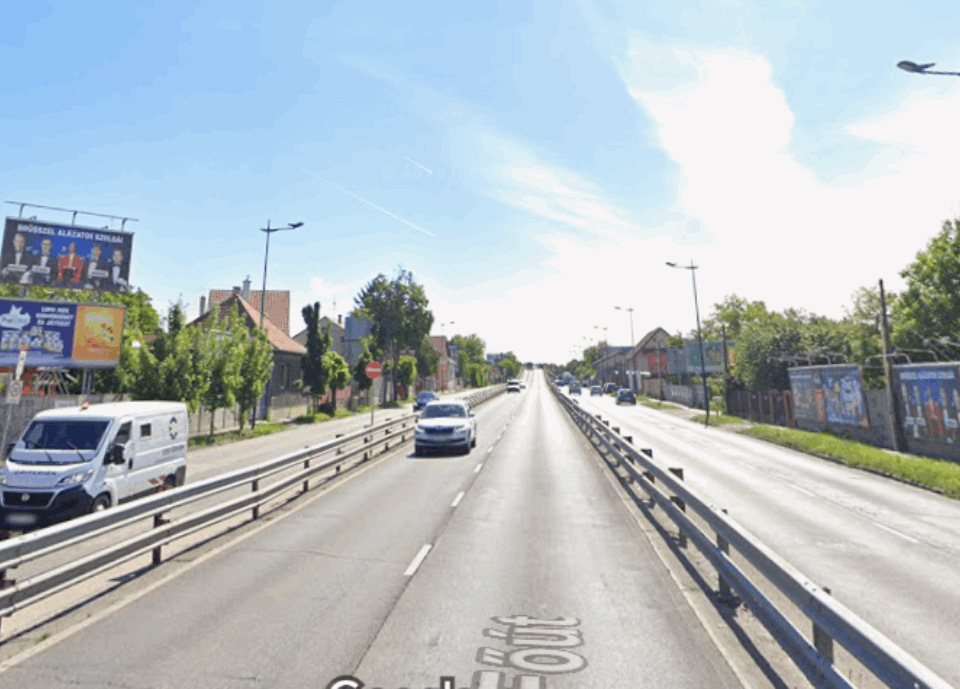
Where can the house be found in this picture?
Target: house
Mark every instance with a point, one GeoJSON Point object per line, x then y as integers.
{"type": "Point", "coordinates": [337, 339]}
{"type": "Point", "coordinates": [612, 367]}
{"type": "Point", "coordinates": [649, 358]}
{"type": "Point", "coordinates": [276, 308]}
{"type": "Point", "coordinates": [282, 399]}
{"type": "Point", "coordinates": [447, 366]}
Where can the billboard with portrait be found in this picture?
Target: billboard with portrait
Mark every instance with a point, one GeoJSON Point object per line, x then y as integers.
{"type": "Point", "coordinates": [929, 396]}
{"type": "Point", "coordinates": [58, 255]}
{"type": "Point", "coordinates": [832, 394]}
{"type": "Point", "coordinates": [712, 353]}
{"type": "Point", "coordinates": [60, 334]}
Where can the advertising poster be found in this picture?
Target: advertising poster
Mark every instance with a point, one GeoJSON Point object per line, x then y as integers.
{"type": "Point", "coordinates": [60, 334]}
{"type": "Point", "coordinates": [657, 364]}
{"type": "Point", "coordinates": [843, 396]}
{"type": "Point", "coordinates": [929, 396]}
{"type": "Point", "coordinates": [712, 352]}
{"type": "Point", "coordinates": [58, 255]}
{"type": "Point", "coordinates": [807, 392]}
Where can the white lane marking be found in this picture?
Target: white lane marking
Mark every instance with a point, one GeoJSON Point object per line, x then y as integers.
{"type": "Point", "coordinates": [489, 450]}
{"type": "Point", "coordinates": [805, 491]}
{"type": "Point", "coordinates": [477, 468]}
{"type": "Point", "coordinates": [456, 500]}
{"type": "Point", "coordinates": [896, 533]}
{"type": "Point", "coordinates": [417, 560]}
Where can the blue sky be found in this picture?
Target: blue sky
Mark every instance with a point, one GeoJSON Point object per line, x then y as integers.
{"type": "Point", "coordinates": [533, 163]}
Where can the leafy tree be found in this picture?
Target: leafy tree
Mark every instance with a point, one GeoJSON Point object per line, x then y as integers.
{"type": "Point", "coordinates": [734, 312]}
{"type": "Point", "coordinates": [407, 371]}
{"type": "Point", "coordinates": [183, 372]}
{"type": "Point", "coordinates": [428, 360]}
{"type": "Point", "coordinates": [338, 374]}
{"type": "Point", "coordinates": [509, 365]}
{"type": "Point", "coordinates": [255, 370]}
{"type": "Point", "coordinates": [225, 337]}
{"type": "Point", "coordinates": [762, 346]}
{"type": "Point", "coordinates": [472, 359]}
{"type": "Point", "coordinates": [401, 319]}
{"type": "Point", "coordinates": [360, 369]}
{"type": "Point", "coordinates": [315, 373]}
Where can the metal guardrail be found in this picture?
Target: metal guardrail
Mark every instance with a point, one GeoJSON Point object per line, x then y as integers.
{"type": "Point", "coordinates": [831, 621]}
{"type": "Point", "coordinates": [42, 543]}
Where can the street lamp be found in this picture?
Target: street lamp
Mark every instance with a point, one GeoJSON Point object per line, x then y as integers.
{"type": "Point", "coordinates": [270, 230]}
{"type": "Point", "coordinates": [908, 66]}
{"type": "Point", "coordinates": [443, 325]}
{"type": "Point", "coordinates": [703, 366]}
{"type": "Point", "coordinates": [630, 311]}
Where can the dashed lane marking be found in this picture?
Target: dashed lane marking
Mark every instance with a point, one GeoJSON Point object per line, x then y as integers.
{"type": "Point", "coordinates": [476, 469]}
{"type": "Point", "coordinates": [456, 500]}
{"type": "Point", "coordinates": [417, 560]}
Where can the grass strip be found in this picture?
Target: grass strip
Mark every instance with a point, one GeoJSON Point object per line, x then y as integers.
{"type": "Point", "coordinates": [263, 428]}
{"type": "Point", "coordinates": [719, 419]}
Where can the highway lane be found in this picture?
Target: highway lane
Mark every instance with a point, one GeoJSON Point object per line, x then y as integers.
{"type": "Point", "coordinates": [394, 575]}
{"type": "Point", "coordinates": [887, 550]}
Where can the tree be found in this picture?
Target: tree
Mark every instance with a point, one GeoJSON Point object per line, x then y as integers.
{"type": "Point", "coordinates": [929, 307]}
{"type": "Point", "coordinates": [338, 374]}
{"type": "Point", "coordinates": [225, 340]}
{"type": "Point", "coordinates": [510, 366]}
{"type": "Point", "coordinates": [428, 360]}
{"type": "Point", "coordinates": [407, 371]}
{"type": "Point", "coordinates": [360, 369]}
{"type": "Point", "coordinates": [472, 359]}
{"type": "Point", "coordinates": [255, 370]}
{"type": "Point", "coordinates": [183, 374]}
{"type": "Point", "coordinates": [315, 373]}
{"type": "Point", "coordinates": [401, 319]}
{"type": "Point", "coordinates": [733, 312]}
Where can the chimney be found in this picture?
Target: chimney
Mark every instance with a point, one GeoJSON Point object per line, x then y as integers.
{"type": "Point", "coordinates": [339, 319]}
{"type": "Point", "coordinates": [236, 289]}
{"type": "Point", "coordinates": [246, 289]}
{"type": "Point", "coordinates": [203, 305]}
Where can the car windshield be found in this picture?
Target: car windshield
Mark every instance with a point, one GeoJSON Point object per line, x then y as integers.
{"type": "Point", "coordinates": [64, 435]}
{"type": "Point", "coordinates": [426, 396]}
{"type": "Point", "coordinates": [438, 411]}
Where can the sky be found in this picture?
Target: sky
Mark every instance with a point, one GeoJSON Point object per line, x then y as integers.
{"type": "Point", "coordinates": [534, 164]}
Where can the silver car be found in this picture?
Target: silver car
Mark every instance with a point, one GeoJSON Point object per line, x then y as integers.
{"type": "Point", "coordinates": [445, 425]}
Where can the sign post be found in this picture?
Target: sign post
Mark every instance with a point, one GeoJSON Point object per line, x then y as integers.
{"type": "Point", "coordinates": [373, 371]}
{"type": "Point", "coordinates": [14, 390]}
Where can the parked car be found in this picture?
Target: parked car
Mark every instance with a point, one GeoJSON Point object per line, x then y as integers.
{"type": "Point", "coordinates": [574, 388]}
{"type": "Point", "coordinates": [626, 396]}
{"type": "Point", "coordinates": [445, 426]}
{"type": "Point", "coordinates": [423, 399]}
{"type": "Point", "coordinates": [596, 390]}
{"type": "Point", "coordinates": [77, 460]}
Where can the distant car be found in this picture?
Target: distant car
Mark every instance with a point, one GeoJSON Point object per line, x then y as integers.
{"type": "Point", "coordinates": [423, 399]}
{"type": "Point", "coordinates": [595, 390]}
{"type": "Point", "coordinates": [610, 387]}
{"type": "Point", "coordinates": [445, 426]}
{"type": "Point", "coordinates": [626, 396]}
{"type": "Point", "coordinates": [513, 386]}
{"type": "Point", "coordinates": [574, 389]}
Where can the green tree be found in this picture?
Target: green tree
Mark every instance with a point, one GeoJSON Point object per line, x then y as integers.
{"type": "Point", "coordinates": [510, 366]}
{"type": "Point", "coordinates": [338, 374]}
{"type": "Point", "coordinates": [255, 370]}
{"type": "Point", "coordinates": [360, 369]}
{"type": "Point", "coordinates": [407, 372]}
{"type": "Point", "coordinates": [224, 335]}
{"type": "Point", "coordinates": [428, 360]}
{"type": "Point", "coordinates": [315, 373]}
{"type": "Point", "coordinates": [734, 312]}
{"type": "Point", "coordinates": [472, 359]}
{"type": "Point", "coordinates": [178, 369]}
{"type": "Point", "coordinates": [401, 319]}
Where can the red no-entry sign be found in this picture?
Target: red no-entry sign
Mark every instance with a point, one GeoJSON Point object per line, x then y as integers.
{"type": "Point", "coordinates": [373, 369]}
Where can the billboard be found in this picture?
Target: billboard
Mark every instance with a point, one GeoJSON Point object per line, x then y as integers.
{"type": "Point", "coordinates": [712, 352]}
{"type": "Point", "coordinates": [832, 394]}
{"type": "Point", "coordinates": [57, 255]}
{"type": "Point", "coordinates": [60, 334]}
{"type": "Point", "coordinates": [658, 364]}
{"type": "Point", "coordinates": [929, 396]}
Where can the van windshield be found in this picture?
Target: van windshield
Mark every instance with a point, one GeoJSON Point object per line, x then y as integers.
{"type": "Point", "coordinates": [64, 435]}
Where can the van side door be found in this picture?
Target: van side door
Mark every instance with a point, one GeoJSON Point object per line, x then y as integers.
{"type": "Point", "coordinates": [117, 474]}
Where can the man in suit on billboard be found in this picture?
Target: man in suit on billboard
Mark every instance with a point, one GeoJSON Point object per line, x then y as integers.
{"type": "Point", "coordinates": [42, 268]}
{"type": "Point", "coordinates": [116, 269]}
{"type": "Point", "coordinates": [18, 265]}
{"type": "Point", "coordinates": [96, 271]}
{"type": "Point", "coordinates": [70, 266]}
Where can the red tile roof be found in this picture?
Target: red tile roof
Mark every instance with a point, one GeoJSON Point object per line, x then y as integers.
{"type": "Point", "coordinates": [280, 340]}
{"type": "Point", "coordinates": [277, 309]}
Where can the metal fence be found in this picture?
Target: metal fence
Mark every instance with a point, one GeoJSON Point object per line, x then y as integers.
{"type": "Point", "coordinates": [830, 621]}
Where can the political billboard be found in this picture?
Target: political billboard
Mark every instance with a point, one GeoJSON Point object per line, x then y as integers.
{"type": "Point", "coordinates": [712, 352]}
{"type": "Point", "coordinates": [58, 255]}
{"type": "Point", "coordinates": [832, 394]}
{"type": "Point", "coordinates": [929, 396]}
{"type": "Point", "coordinates": [60, 334]}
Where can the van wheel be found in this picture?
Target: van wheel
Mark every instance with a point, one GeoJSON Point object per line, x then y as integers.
{"type": "Point", "coordinates": [100, 504]}
{"type": "Point", "coordinates": [168, 484]}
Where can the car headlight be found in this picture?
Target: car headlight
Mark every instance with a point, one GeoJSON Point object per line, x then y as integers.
{"type": "Point", "coordinates": [74, 479]}
{"type": "Point", "coordinates": [3, 478]}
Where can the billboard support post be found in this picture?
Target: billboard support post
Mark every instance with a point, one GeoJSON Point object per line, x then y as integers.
{"type": "Point", "coordinates": [896, 430]}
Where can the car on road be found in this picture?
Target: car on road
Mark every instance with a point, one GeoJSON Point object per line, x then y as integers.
{"type": "Point", "coordinates": [513, 386]}
{"type": "Point", "coordinates": [626, 396]}
{"type": "Point", "coordinates": [423, 399]}
{"type": "Point", "coordinates": [574, 388]}
{"type": "Point", "coordinates": [610, 388]}
{"type": "Point", "coordinates": [445, 425]}
{"type": "Point", "coordinates": [596, 390]}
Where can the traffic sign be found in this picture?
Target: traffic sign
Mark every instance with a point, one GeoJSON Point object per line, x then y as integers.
{"type": "Point", "coordinates": [373, 369]}
{"type": "Point", "coordinates": [14, 390]}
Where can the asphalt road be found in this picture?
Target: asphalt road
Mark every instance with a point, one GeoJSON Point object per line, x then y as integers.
{"type": "Point", "coordinates": [394, 576]}
{"type": "Point", "coordinates": [888, 551]}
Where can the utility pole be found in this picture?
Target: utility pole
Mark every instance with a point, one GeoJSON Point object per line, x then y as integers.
{"type": "Point", "coordinates": [896, 429]}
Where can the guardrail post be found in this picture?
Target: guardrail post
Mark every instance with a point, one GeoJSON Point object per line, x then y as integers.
{"type": "Point", "coordinates": [678, 472]}
{"type": "Point", "coordinates": [339, 452]}
{"type": "Point", "coordinates": [822, 641]}
{"type": "Point", "coordinates": [723, 587]}
{"type": "Point", "coordinates": [255, 486]}
{"type": "Point", "coordinates": [628, 438]}
{"type": "Point", "coordinates": [306, 481]}
{"type": "Point", "coordinates": [158, 521]}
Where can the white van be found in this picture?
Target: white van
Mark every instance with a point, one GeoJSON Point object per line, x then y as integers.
{"type": "Point", "coordinates": [84, 459]}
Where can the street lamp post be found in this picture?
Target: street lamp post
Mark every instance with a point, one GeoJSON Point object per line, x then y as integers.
{"type": "Point", "coordinates": [908, 66]}
{"type": "Point", "coordinates": [630, 311]}
{"type": "Point", "coordinates": [263, 295]}
{"type": "Point", "coordinates": [703, 366]}
{"type": "Point", "coordinates": [443, 325]}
